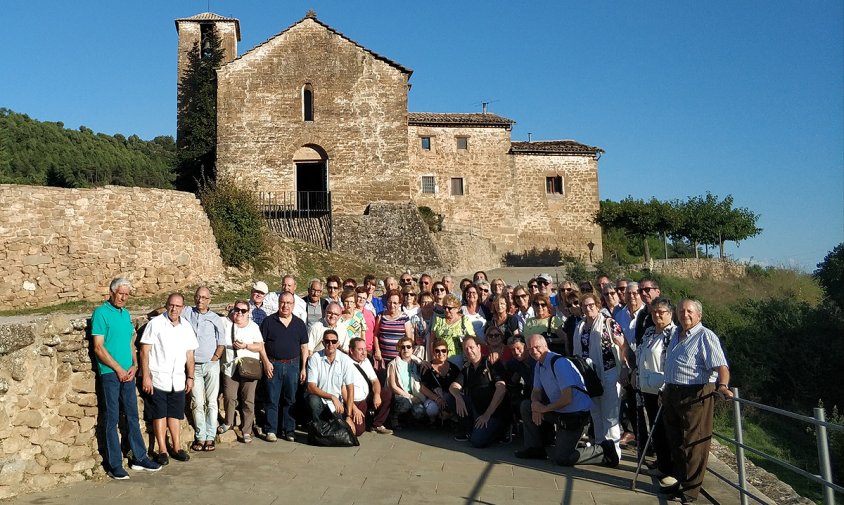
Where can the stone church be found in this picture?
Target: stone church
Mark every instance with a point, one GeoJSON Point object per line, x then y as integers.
{"type": "Point", "coordinates": [313, 114]}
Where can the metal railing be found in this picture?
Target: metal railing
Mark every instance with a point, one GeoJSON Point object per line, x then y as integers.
{"type": "Point", "coordinates": [820, 424]}
{"type": "Point", "coordinates": [294, 203]}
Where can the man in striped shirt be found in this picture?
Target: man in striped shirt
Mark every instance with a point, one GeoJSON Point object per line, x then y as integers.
{"type": "Point", "coordinates": [695, 371]}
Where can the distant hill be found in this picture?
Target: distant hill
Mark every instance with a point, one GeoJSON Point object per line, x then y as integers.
{"type": "Point", "coordinates": [45, 153]}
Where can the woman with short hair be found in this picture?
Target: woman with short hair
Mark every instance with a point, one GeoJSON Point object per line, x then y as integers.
{"type": "Point", "coordinates": [452, 328]}
{"type": "Point", "coordinates": [403, 377]}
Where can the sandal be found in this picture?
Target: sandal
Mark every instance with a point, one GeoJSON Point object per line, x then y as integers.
{"type": "Point", "coordinates": [209, 446]}
{"type": "Point", "coordinates": [197, 446]}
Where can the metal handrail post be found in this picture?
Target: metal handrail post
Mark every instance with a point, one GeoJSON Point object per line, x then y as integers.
{"type": "Point", "coordinates": [823, 456]}
{"type": "Point", "coordinates": [742, 482]}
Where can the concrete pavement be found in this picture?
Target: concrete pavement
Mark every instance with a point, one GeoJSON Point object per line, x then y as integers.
{"type": "Point", "coordinates": [418, 466]}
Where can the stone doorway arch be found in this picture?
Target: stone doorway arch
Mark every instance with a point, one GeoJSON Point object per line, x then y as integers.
{"type": "Point", "coordinates": [311, 178]}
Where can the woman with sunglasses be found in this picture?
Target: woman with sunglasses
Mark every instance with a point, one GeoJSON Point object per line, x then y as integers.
{"type": "Point", "coordinates": [439, 292]}
{"type": "Point", "coordinates": [403, 377]}
{"type": "Point", "coordinates": [436, 380]}
{"type": "Point", "coordinates": [473, 309]}
{"type": "Point", "coordinates": [409, 303]}
{"type": "Point", "coordinates": [601, 340]}
{"type": "Point", "coordinates": [243, 339]}
{"type": "Point", "coordinates": [391, 326]}
{"type": "Point", "coordinates": [452, 328]}
{"type": "Point", "coordinates": [495, 349]}
{"type": "Point", "coordinates": [363, 305]}
{"type": "Point", "coordinates": [547, 324]}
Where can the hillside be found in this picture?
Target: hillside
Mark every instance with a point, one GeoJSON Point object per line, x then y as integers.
{"type": "Point", "coordinates": [45, 153]}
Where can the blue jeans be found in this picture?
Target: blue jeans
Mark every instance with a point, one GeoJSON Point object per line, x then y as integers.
{"type": "Point", "coordinates": [206, 389]}
{"type": "Point", "coordinates": [281, 393]}
{"type": "Point", "coordinates": [118, 394]}
{"type": "Point", "coordinates": [478, 437]}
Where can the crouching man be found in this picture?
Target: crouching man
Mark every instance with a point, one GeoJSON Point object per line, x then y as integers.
{"type": "Point", "coordinates": [559, 396]}
{"type": "Point", "coordinates": [331, 389]}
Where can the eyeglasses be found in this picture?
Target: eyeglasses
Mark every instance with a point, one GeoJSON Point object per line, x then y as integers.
{"type": "Point", "coordinates": [241, 311]}
{"type": "Point", "coordinates": [406, 347]}
{"type": "Point", "coordinates": [335, 314]}
{"type": "Point", "coordinates": [540, 304]}
{"type": "Point", "coordinates": [329, 342]}
{"type": "Point", "coordinates": [332, 288]}
{"type": "Point", "coordinates": [440, 351]}
{"type": "Point", "coordinates": [589, 306]}
{"type": "Point", "coordinates": [350, 301]}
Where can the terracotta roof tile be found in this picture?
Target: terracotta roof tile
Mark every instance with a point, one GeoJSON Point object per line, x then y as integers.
{"type": "Point", "coordinates": [554, 147]}
{"type": "Point", "coordinates": [210, 16]}
{"type": "Point", "coordinates": [457, 119]}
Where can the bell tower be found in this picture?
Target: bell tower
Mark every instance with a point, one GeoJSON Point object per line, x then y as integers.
{"type": "Point", "coordinates": [196, 29]}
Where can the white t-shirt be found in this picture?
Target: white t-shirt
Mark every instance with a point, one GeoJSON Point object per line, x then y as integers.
{"type": "Point", "coordinates": [168, 356]}
{"type": "Point", "coordinates": [249, 334]}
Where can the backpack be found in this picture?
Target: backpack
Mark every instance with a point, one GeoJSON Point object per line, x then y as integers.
{"type": "Point", "coordinates": [590, 376]}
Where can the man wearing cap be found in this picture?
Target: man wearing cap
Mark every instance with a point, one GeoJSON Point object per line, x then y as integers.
{"type": "Point", "coordinates": [545, 283]}
{"type": "Point", "coordinates": [331, 321]}
{"type": "Point", "coordinates": [258, 310]}
{"type": "Point", "coordinates": [111, 333]}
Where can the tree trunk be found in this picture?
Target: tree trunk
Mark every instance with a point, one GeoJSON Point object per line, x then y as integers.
{"type": "Point", "coordinates": [720, 246]}
{"type": "Point", "coordinates": [696, 253]}
{"type": "Point", "coordinates": [665, 244]}
{"type": "Point", "coordinates": [647, 250]}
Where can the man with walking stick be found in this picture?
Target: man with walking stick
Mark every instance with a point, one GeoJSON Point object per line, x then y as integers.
{"type": "Point", "coordinates": [695, 371]}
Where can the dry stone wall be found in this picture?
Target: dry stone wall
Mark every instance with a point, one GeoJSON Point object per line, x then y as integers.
{"type": "Point", "coordinates": [61, 244]}
{"type": "Point", "coordinates": [50, 431]}
{"type": "Point", "coordinates": [696, 268]}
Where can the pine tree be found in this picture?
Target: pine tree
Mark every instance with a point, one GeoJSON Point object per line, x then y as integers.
{"type": "Point", "coordinates": [196, 139]}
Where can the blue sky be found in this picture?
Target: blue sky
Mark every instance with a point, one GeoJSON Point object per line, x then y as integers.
{"type": "Point", "coordinates": [743, 98]}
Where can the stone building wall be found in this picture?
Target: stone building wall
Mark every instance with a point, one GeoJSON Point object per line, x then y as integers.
{"type": "Point", "coordinates": [551, 220]}
{"type": "Point", "coordinates": [50, 430]}
{"type": "Point", "coordinates": [61, 244]}
{"type": "Point", "coordinates": [700, 268]}
{"type": "Point", "coordinates": [487, 206]}
{"type": "Point", "coordinates": [360, 117]}
{"type": "Point", "coordinates": [388, 233]}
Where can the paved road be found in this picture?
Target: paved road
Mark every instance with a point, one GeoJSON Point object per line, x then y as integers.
{"type": "Point", "coordinates": [412, 467]}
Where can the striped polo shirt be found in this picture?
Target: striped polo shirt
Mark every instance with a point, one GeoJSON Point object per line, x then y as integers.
{"type": "Point", "coordinates": [693, 356]}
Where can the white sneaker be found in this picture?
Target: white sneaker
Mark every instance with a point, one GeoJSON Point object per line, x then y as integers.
{"type": "Point", "coordinates": [383, 430]}
{"type": "Point", "coordinates": [667, 481]}
{"type": "Point", "coordinates": [271, 437]}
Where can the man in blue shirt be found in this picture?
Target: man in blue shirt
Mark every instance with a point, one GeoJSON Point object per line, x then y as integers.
{"type": "Point", "coordinates": [559, 396]}
{"type": "Point", "coordinates": [111, 332]}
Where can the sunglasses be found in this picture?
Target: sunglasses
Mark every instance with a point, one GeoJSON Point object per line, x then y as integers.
{"type": "Point", "coordinates": [439, 290]}
{"type": "Point", "coordinates": [544, 283]}
{"type": "Point", "coordinates": [410, 294]}
{"type": "Point", "coordinates": [450, 308]}
{"type": "Point", "coordinates": [573, 305]}
{"type": "Point", "coordinates": [540, 304]}
{"type": "Point", "coordinates": [406, 281]}
{"type": "Point", "coordinates": [494, 335]}
{"type": "Point", "coordinates": [532, 286]}
{"type": "Point", "coordinates": [485, 290]}
{"type": "Point", "coordinates": [646, 290]}
{"type": "Point", "coordinates": [440, 351]}
{"type": "Point", "coordinates": [523, 295]}
{"type": "Point", "coordinates": [568, 289]}
{"type": "Point", "coordinates": [329, 342]}
{"type": "Point", "coordinates": [620, 288]}
{"type": "Point", "coordinates": [332, 288]}
{"type": "Point", "coordinates": [608, 293]}
{"type": "Point", "coordinates": [406, 347]}
{"type": "Point", "coordinates": [241, 311]}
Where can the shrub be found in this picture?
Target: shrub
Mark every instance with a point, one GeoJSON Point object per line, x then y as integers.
{"type": "Point", "coordinates": [432, 219]}
{"type": "Point", "coordinates": [534, 258]}
{"type": "Point", "coordinates": [575, 269]}
{"type": "Point", "coordinates": [237, 222]}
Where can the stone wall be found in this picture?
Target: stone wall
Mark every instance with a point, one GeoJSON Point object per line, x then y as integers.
{"type": "Point", "coordinates": [49, 414]}
{"type": "Point", "coordinates": [709, 268]}
{"type": "Point", "coordinates": [59, 244]}
{"type": "Point", "coordinates": [464, 252]}
{"type": "Point", "coordinates": [388, 233]}
{"type": "Point", "coordinates": [359, 125]}
{"type": "Point", "coordinates": [558, 220]}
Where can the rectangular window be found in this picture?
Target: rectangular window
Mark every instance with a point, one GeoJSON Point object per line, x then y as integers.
{"type": "Point", "coordinates": [554, 185]}
{"type": "Point", "coordinates": [426, 143]}
{"type": "Point", "coordinates": [456, 186]}
{"type": "Point", "coordinates": [462, 143]}
{"type": "Point", "coordinates": [428, 184]}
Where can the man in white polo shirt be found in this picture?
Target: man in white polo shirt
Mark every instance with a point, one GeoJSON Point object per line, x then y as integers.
{"type": "Point", "coordinates": [167, 364]}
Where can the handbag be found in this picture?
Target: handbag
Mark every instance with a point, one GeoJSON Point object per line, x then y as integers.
{"type": "Point", "coordinates": [247, 368]}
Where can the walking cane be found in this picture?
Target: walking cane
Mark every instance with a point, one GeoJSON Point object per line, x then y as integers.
{"type": "Point", "coordinates": [645, 450]}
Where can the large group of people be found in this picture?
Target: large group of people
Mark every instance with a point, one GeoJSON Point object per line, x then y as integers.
{"type": "Point", "coordinates": [489, 360]}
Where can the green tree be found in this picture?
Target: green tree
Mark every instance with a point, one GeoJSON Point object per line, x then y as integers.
{"type": "Point", "coordinates": [708, 221]}
{"type": "Point", "coordinates": [638, 219]}
{"type": "Point", "coordinates": [830, 275]}
{"type": "Point", "coordinates": [196, 138]}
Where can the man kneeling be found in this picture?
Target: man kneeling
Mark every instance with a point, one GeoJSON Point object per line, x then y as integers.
{"type": "Point", "coordinates": [566, 404]}
{"type": "Point", "coordinates": [330, 382]}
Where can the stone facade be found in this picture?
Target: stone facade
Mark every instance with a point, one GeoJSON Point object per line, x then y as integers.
{"type": "Point", "coordinates": [311, 110]}
{"type": "Point", "coordinates": [67, 244]}
{"type": "Point", "coordinates": [359, 126]}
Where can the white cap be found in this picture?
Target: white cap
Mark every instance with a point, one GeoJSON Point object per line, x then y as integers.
{"type": "Point", "coordinates": [261, 287]}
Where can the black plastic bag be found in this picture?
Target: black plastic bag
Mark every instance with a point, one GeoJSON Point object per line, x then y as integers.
{"type": "Point", "coordinates": [333, 433]}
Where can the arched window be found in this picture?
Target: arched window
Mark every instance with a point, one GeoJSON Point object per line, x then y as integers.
{"type": "Point", "coordinates": [307, 103]}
